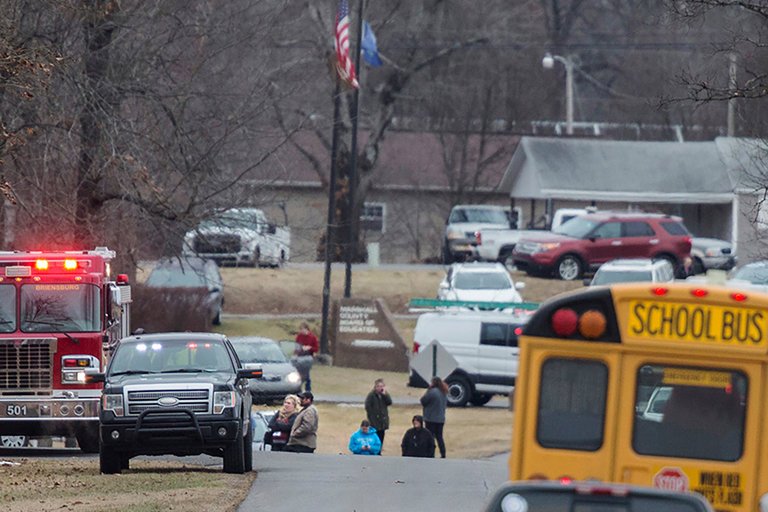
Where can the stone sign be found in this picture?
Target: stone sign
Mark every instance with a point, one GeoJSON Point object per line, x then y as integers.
{"type": "Point", "coordinates": [364, 336]}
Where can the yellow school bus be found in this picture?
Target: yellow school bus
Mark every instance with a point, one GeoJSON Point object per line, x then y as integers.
{"type": "Point", "coordinates": [657, 385]}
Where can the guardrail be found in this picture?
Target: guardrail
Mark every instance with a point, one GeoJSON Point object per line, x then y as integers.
{"type": "Point", "coordinates": [421, 304]}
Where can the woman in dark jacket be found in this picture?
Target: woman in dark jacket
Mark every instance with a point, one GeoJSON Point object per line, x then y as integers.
{"type": "Point", "coordinates": [434, 401]}
{"type": "Point", "coordinates": [281, 423]}
{"type": "Point", "coordinates": [418, 441]}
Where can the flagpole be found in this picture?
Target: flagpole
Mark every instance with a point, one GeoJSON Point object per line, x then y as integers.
{"type": "Point", "coordinates": [351, 238]}
{"type": "Point", "coordinates": [331, 217]}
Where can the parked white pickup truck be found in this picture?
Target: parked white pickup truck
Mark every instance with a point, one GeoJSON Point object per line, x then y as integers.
{"type": "Point", "coordinates": [240, 236]}
{"type": "Point", "coordinates": [497, 243]}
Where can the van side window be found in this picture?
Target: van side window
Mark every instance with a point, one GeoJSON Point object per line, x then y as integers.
{"type": "Point", "coordinates": [500, 335]}
{"type": "Point", "coordinates": [493, 334]}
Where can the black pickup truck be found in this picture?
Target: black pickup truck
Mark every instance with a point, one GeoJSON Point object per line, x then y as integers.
{"type": "Point", "coordinates": [175, 394]}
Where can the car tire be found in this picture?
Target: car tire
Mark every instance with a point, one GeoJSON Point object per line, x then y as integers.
{"type": "Point", "coordinates": [217, 318]}
{"type": "Point", "coordinates": [14, 441]}
{"type": "Point", "coordinates": [698, 266]}
{"type": "Point", "coordinates": [88, 439]}
{"type": "Point", "coordinates": [234, 456]}
{"type": "Point", "coordinates": [447, 256]}
{"type": "Point", "coordinates": [569, 268]}
{"type": "Point", "coordinates": [110, 462]}
{"type": "Point", "coordinates": [459, 391]}
{"type": "Point", "coordinates": [248, 448]}
{"type": "Point", "coordinates": [480, 399]}
{"type": "Point", "coordinates": [257, 258]}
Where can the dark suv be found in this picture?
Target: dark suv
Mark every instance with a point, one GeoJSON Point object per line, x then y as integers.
{"type": "Point", "coordinates": [587, 241]}
{"type": "Point", "coordinates": [175, 394]}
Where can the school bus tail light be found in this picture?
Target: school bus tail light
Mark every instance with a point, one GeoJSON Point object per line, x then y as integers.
{"type": "Point", "coordinates": [738, 296]}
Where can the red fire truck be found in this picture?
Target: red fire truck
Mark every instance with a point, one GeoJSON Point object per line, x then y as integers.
{"type": "Point", "coordinates": [61, 314]}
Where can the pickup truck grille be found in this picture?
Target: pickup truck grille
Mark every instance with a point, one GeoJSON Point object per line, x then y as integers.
{"type": "Point", "coordinates": [26, 366]}
{"type": "Point", "coordinates": [197, 400]}
{"type": "Point", "coordinates": [217, 244]}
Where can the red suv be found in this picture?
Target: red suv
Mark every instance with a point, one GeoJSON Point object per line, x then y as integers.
{"type": "Point", "coordinates": [587, 241]}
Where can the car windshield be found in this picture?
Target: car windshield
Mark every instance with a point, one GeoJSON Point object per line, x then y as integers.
{"type": "Point", "coordinates": [481, 281]}
{"type": "Point", "coordinates": [250, 352]}
{"type": "Point", "coordinates": [622, 276]}
{"type": "Point", "coordinates": [753, 274]}
{"type": "Point", "coordinates": [485, 215]}
{"type": "Point", "coordinates": [176, 276]}
{"type": "Point", "coordinates": [51, 307]}
{"type": "Point", "coordinates": [168, 356]}
{"type": "Point", "coordinates": [233, 219]}
{"type": "Point", "coordinates": [545, 501]}
{"type": "Point", "coordinates": [577, 227]}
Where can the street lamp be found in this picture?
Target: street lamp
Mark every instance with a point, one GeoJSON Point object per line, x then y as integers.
{"type": "Point", "coordinates": [549, 62]}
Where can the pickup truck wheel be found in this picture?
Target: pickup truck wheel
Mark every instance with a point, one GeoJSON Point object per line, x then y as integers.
{"type": "Point", "coordinates": [110, 461]}
{"type": "Point", "coordinates": [447, 256]}
{"type": "Point", "coordinates": [459, 391]}
{"type": "Point", "coordinates": [257, 258]}
{"type": "Point", "coordinates": [14, 441]}
{"type": "Point", "coordinates": [248, 447]}
{"type": "Point", "coordinates": [505, 258]}
{"type": "Point", "coordinates": [88, 440]}
{"type": "Point", "coordinates": [234, 456]}
{"type": "Point", "coordinates": [125, 462]}
{"type": "Point", "coordinates": [568, 268]}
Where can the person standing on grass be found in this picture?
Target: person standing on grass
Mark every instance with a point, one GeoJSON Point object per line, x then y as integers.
{"type": "Point", "coordinates": [365, 441]}
{"type": "Point", "coordinates": [282, 422]}
{"type": "Point", "coordinates": [304, 431]}
{"type": "Point", "coordinates": [418, 441]}
{"type": "Point", "coordinates": [307, 346]}
{"type": "Point", "coordinates": [377, 408]}
{"type": "Point", "coordinates": [435, 401]}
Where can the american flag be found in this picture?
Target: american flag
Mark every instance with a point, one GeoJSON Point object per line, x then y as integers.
{"type": "Point", "coordinates": [344, 65]}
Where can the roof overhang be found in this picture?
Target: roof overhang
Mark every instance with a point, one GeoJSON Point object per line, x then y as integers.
{"type": "Point", "coordinates": [634, 197]}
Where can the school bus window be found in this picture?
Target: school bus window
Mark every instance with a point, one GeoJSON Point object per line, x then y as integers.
{"type": "Point", "coordinates": [691, 413]}
{"type": "Point", "coordinates": [572, 399]}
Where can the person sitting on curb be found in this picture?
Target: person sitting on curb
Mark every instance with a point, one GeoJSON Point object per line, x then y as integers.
{"type": "Point", "coordinates": [365, 441]}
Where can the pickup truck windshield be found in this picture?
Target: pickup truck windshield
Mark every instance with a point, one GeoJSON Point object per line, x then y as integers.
{"type": "Point", "coordinates": [168, 356]}
{"type": "Point", "coordinates": [485, 215]}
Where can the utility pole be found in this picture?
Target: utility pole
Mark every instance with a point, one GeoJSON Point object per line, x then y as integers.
{"type": "Point", "coordinates": [331, 218]}
{"type": "Point", "coordinates": [353, 221]}
{"type": "Point", "coordinates": [732, 69]}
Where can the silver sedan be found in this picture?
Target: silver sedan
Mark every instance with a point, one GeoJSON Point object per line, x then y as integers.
{"type": "Point", "coordinates": [280, 376]}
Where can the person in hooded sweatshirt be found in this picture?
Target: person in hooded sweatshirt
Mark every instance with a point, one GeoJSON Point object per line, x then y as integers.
{"type": "Point", "coordinates": [365, 441]}
{"type": "Point", "coordinates": [418, 441]}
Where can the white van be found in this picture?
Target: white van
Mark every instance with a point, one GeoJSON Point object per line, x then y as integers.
{"type": "Point", "coordinates": [484, 343]}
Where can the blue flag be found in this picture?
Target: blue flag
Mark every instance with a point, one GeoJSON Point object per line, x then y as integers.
{"type": "Point", "coordinates": [368, 46]}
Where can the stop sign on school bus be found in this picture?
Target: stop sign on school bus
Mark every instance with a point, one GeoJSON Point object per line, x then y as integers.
{"type": "Point", "coordinates": [671, 479]}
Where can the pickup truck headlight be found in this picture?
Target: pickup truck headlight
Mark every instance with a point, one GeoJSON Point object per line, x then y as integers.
{"type": "Point", "coordinates": [293, 378]}
{"type": "Point", "coordinates": [223, 400]}
{"type": "Point", "coordinates": [113, 403]}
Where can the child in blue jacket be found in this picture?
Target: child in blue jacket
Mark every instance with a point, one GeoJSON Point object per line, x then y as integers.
{"type": "Point", "coordinates": [365, 441]}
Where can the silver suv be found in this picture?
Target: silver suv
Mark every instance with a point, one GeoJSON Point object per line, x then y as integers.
{"type": "Point", "coordinates": [633, 270]}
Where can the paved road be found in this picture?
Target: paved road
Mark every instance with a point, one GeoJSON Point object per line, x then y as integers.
{"type": "Point", "coordinates": [289, 482]}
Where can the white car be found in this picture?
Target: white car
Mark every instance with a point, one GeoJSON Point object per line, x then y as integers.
{"type": "Point", "coordinates": [487, 282]}
{"type": "Point", "coordinates": [632, 270]}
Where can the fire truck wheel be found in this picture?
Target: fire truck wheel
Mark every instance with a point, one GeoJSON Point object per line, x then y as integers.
{"type": "Point", "coordinates": [88, 440]}
{"type": "Point", "coordinates": [234, 456]}
{"type": "Point", "coordinates": [109, 461]}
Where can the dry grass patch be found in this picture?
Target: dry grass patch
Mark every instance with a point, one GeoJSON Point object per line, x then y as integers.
{"type": "Point", "coordinates": [299, 289]}
{"type": "Point", "coordinates": [75, 484]}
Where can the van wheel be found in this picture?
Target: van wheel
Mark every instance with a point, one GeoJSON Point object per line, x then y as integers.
{"type": "Point", "coordinates": [480, 399]}
{"type": "Point", "coordinates": [569, 268]}
{"type": "Point", "coordinates": [459, 391]}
